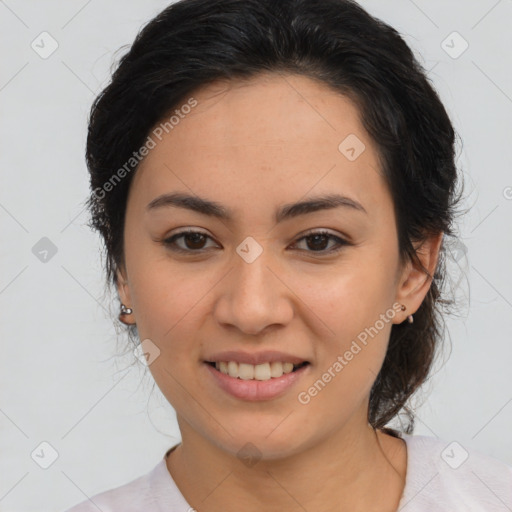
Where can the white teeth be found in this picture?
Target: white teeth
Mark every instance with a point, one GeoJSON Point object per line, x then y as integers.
{"type": "Point", "coordinates": [262, 371]}
{"type": "Point", "coordinates": [244, 371]}
{"type": "Point", "coordinates": [233, 369]}
{"type": "Point", "coordinates": [287, 367]}
{"type": "Point", "coordinates": [276, 369]}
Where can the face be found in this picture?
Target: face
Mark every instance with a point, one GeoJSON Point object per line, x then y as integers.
{"type": "Point", "coordinates": [265, 282]}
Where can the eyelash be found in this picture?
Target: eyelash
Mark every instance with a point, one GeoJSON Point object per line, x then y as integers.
{"type": "Point", "coordinates": [170, 242]}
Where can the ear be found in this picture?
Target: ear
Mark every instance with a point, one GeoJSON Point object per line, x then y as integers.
{"type": "Point", "coordinates": [414, 284]}
{"type": "Point", "coordinates": [123, 289]}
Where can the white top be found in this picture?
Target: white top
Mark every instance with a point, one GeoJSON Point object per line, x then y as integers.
{"type": "Point", "coordinates": [440, 476]}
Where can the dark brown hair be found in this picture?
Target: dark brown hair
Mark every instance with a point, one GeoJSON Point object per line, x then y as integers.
{"type": "Point", "coordinates": [195, 42]}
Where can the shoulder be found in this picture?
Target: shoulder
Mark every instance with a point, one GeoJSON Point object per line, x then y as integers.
{"type": "Point", "coordinates": [151, 492]}
{"type": "Point", "coordinates": [445, 475]}
{"type": "Point", "coordinates": [133, 495]}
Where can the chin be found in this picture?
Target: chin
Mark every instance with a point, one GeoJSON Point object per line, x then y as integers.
{"type": "Point", "coordinates": [251, 442]}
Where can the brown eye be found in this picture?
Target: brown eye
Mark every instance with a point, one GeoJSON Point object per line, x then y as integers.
{"type": "Point", "coordinates": [192, 241]}
{"type": "Point", "coordinates": [318, 241]}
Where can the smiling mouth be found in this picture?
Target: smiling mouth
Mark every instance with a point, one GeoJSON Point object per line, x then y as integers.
{"type": "Point", "coordinates": [262, 372]}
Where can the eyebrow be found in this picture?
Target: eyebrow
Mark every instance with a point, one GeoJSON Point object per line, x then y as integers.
{"type": "Point", "coordinates": [287, 211]}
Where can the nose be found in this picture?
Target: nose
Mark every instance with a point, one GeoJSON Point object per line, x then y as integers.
{"type": "Point", "coordinates": [254, 296]}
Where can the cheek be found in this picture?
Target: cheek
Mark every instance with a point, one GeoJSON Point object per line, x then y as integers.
{"type": "Point", "coordinates": [351, 298]}
{"type": "Point", "coordinates": [356, 307]}
{"type": "Point", "coordinates": [164, 292]}
{"type": "Point", "coordinates": [167, 313]}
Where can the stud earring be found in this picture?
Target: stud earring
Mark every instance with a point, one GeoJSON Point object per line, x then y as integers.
{"type": "Point", "coordinates": [410, 318]}
{"type": "Point", "coordinates": [125, 310]}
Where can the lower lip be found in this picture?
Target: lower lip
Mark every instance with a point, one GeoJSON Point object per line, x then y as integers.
{"type": "Point", "coordinates": [256, 390]}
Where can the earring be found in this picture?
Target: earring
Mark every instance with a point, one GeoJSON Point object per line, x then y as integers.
{"type": "Point", "coordinates": [125, 310]}
{"type": "Point", "coordinates": [410, 318]}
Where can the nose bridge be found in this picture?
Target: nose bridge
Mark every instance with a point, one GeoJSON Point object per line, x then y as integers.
{"type": "Point", "coordinates": [252, 286]}
{"type": "Point", "coordinates": [254, 298]}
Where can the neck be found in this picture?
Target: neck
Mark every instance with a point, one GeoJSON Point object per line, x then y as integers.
{"type": "Point", "coordinates": [369, 469]}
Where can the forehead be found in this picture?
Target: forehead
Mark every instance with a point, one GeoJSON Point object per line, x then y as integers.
{"type": "Point", "coordinates": [271, 139]}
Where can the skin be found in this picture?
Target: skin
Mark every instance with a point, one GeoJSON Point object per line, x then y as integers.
{"type": "Point", "coordinates": [254, 146]}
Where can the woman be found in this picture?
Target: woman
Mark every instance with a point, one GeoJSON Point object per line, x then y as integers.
{"type": "Point", "coordinates": [275, 184]}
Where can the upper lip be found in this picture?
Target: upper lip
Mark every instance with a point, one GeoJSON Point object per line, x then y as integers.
{"type": "Point", "coordinates": [267, 356]}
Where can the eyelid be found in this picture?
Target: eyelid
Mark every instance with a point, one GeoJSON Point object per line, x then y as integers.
{"type": "Point", "coordinates": [319, 231]}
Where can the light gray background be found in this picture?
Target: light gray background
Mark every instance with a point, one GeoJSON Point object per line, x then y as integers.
{"type": "Point", "coordinates": [60, 379]}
